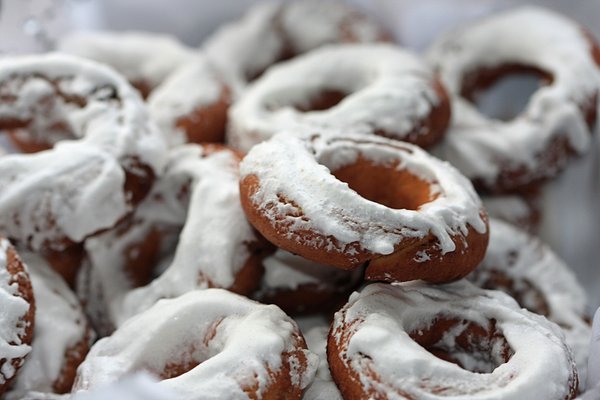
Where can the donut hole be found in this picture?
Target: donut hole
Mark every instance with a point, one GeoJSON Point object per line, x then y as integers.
{"type": "Point", "coordinates": [323, 100]}
{"type": "Point", "coordinates": [318, 101]}
{"type": "Point", "coordinates": [386, 184]}
{"type": "Point", "coordinates": [470, 346]}
{"type": "Point", "coordinates": [503, 93]}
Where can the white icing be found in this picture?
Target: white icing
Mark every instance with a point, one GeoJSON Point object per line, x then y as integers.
{"type": "Point", "coordinates": [330, 208]}
{"type": "Point", "coordinates": [250, 339]}
{"type": "Point", "coordinates": [388, 89]}
{"type": "Point", "coordinates": [13, 311]}
{"type": "Point", "coordinates": [59, 325]}
{"type": "Point", "coordinates": [139, 56]}
{"type": "Point", "coordinates": [245, 48]}
{"type": "Point", "coordinates": [525, 259]}
{"type": "Point", "coordinates": [323, 387]}
{"type": "Point", "coordinates": [79, 183]}
{"type": "Point", "coordinates": [212, 246]}
{"type": "Point", "coordinates": [529, 36]}
{"type": "Point", "coordinates": [383, 315]}
{"type": "Point", "coordinates": [190, 87]}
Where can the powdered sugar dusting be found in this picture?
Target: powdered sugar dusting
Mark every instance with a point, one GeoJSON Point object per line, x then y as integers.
{"type": "Point", "coordinates": [381, 317]}
{"type": "Point", "coordinates": [476, 145]}
{"type": "Point", "coordinates": [388, 89]}
{"type": "Point", "coordinates": [190, 87]}
{"type": "Point", "coordinates": [12, 328]}
{"type": "Point", "coordinates": [331, 208]}
{"type": "Point", "coordinates": [59, 325]}
{"type": "Point", "coordinates": [249, 339]}
{"type": "Point", "coordinates": [213, 245]}
{"type": "Point", "coordinates": [139, 56]}
{"type": "Point", "coordinates": [76, 188]}
{"type": "Point", "coordinates": [525, 259]}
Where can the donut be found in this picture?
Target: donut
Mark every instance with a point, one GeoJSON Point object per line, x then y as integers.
{"type": "Point", "coordinates": [144, 58]}
{"type": "Point", "coordinates": [508, 156]}
{"type": "Point", "coordinates": [522, 210]}
{"type": "Point", "coordinates": [52, 200]}
{"type": "Point", "coordinates": [18, 314]}
{"type": "Point", "coordinates": [416, 341]}
{"type": "Point", "coordinates": [217, 247]}
{"type": "Point", "coordinates": [522, 266]}
{"type": "Point", "coordinates": [322, 387]}
{"type": "Point", "coordinates": [61, 337]}
{"type": "Point", "coordinates": [330, 198]}
{"type": "Point", "coordinates": [190, 106]}
{"type": "Point", "coordinates": [299, 286]}
{"type": "Point", "coordinates": [370, 88]}
{"type": "Point", "coordinates": [271, 32]}
{"type": "Point", "coordinates": [206, 342]}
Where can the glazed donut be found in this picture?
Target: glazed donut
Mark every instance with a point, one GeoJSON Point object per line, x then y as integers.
{"type": "Point", "coordinates": [206, 342]}
{"type": "Point", "coordinates": [522, 210]}
{"type": "Point", "coordinates": [322, 387]}
{"type": "Point", "coordinates": [379, 89]}
{"type": "Point", "coordinates": [515, 155]}
{"type": "Point", "coordinates": [414, 341]}
{"type": "Point", "coordinates": [299, 286]}
{"type": "Point", "coordinates": [528, 270]}
{"type": "Point", "coordinates": [61, 338]}
{"type": "Point", "coordinates": [330, 199]}
{"type": "Point", "coordinates": [217, 246]}
{"type": "Point", "coordinates": [53, 199]}
{"type": "Point", "coordinates": [144, 58]}
{"type": "Point", "coordinates": [17, 316]}
{"type": "Point", "coordinates": [190, 106]}
{"type": "Point", "coordinates": [271, 32]}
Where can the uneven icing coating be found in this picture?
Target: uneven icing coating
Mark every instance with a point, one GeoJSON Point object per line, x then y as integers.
{"type": "Point", "coordinates": [484, 149]}
{"type": "Point", "coordinates": [216, 240]}
{"type": "Point", "coordinates": [345, 219]}
{"type": "Point", "coordinates": [142, 57]}
{"type": "Point", "coordinates": [272, 31]}
{"type": "Point", "coordinates": [60, 326]}
{"type": "Point", "coordinates": [322, 387]}
{"type": "Point", "coordinates": [388, 90]}
{"type": "Point", "coordinates": [372, 334]}
{"type": "Point", "coordinates": [193, 86]}
{"type": "Point", "coordinates": [76, 188]}
{"type": "Point", "coordinates": [532, 265]}
{"type": "Point", "coordinates": [14, 309]}
{"type": "Point", "coordinates": [235, 347]}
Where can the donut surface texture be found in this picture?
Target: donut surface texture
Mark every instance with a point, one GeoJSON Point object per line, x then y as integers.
{"type": "Point", "coordinates": [190, 106]}
{"type": "Point", "coordinates": [206, 344]}
{"type": "Point", "coordinates": [271, 32]}
{"type": "Point", "coordinates": [217, 246]}
{"type": "Point", "coordinates": [529, 271]}
{"type": "Point", "coordinates": [371, 88]}
{"type": "Point", "coordinates": [349, 200]}
{"type": "Point", "coordinates": [455, 341]}
{"type": "Point", "coordinates": [54, 198]}
{"type": "Point", "coordinates": [506, 156]}
{"type": "Point", "coordinates": [145, 59]}
{"type": "Point", "coordinates": [61, 338]}
{"type": "Point", "coordinates": [17, 314]}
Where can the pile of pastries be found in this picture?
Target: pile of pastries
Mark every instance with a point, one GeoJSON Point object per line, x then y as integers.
{"type": "Point", "coordinates": [292, 210]}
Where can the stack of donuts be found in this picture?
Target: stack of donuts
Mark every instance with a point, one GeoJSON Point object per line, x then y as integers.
{"type": "Point", "coordinates": [292, 210]}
